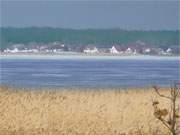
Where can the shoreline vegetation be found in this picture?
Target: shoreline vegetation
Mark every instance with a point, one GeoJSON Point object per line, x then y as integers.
{"type": "Point", "coordinates": [80, 112]}
{"type": "Point", "coordinates": [104, 41]}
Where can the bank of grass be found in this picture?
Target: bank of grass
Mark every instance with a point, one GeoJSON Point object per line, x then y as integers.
{"type": "Point", "coordinates": [78, 112]}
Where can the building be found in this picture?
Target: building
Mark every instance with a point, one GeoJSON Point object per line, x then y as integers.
{"type": "Point", "coordinates": [113, 50]}
{"type": "Point", "coordinates": [91, 50]}
{"type": "Point", "coordinates": [135, 52]}
{"type": "Point", "coordinates": [169, 51]}
{"type": "Point", "coordinates": [129, 51]}
{"type": "Point", "coordinates": [147, 50]}
{"type": "Point", "coordinates": [15, 50]}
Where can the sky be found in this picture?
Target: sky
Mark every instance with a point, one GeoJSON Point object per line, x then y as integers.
{"type": "Point", "coordinates": [131, 15]}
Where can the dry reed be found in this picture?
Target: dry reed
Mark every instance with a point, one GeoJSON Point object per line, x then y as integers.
{"type": "Point", "coordinates": [90, 112]}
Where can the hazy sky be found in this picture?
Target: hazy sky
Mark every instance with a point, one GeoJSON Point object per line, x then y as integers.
{"type": "Point", "coordinates": [95, 14]}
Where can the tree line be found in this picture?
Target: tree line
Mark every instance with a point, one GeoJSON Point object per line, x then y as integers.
{"type": "Point", "coordinates": [86, 36]}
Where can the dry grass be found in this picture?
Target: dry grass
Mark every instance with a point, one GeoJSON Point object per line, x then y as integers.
{"type": "Point", "coordinates": [64, 112]}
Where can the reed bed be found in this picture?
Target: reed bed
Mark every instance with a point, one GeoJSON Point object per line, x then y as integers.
{"type": "Point", "coordinates": [78, 112]}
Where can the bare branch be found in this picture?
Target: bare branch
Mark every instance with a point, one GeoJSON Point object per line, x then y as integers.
{"type": "Point", "coordinates": [172, 122]}
{"type": "Point", "coordinates": [161, 95]}
{"type": "Point", "coordinates": [165, 123]}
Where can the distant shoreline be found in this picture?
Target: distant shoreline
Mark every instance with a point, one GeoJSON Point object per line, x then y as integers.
{"type": "Point", "coordinates": [80, 56]}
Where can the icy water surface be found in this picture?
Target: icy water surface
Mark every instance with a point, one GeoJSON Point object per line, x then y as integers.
{"type": "Point", "coordinates": [88, 73]}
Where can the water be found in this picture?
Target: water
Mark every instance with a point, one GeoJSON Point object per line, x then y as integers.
{"type": "Point", "coordinates": [88, 73]}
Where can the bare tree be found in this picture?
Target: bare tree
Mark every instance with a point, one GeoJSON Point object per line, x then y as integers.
{"type": "Point", "coordinates": [169, 116]}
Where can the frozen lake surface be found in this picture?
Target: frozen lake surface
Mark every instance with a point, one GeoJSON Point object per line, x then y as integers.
{"type": "Point", "coordinates": [90, 72]}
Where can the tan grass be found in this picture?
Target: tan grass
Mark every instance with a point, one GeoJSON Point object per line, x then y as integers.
{"type": "Point", "coordinates": [109, 112]}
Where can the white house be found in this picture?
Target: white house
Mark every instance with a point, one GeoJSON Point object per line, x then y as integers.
{"type": "Point", "coordinates": [135, 52]}
{"type": "Point", "coordinates": [7, 50]}
{"type": "Point", "coordinates": [169, 50]}
{"type": "Point", "coordinates": [57, 50]}
{"type": "Point", "coordinates": [34, 50]}
{"type": "Point", "coordinates": [91, 50]}
{"type": "Point", "coordinates": [15, 50]}
{"type": "Point", "coordinates": [128, 51]}
{"type": "Point", "coordinates": [113, 50]}
{"type": "Point", "coordinates": [161, 51]}
{"type": "Point", "coordinates": [147, 50]}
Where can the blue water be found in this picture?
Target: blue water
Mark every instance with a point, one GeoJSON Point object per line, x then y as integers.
{"type": "Point", "coordinates": [88, 73]}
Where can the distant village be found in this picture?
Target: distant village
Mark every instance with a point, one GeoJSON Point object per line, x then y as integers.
{"type": "Point", "coordinates": [137, 48]}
